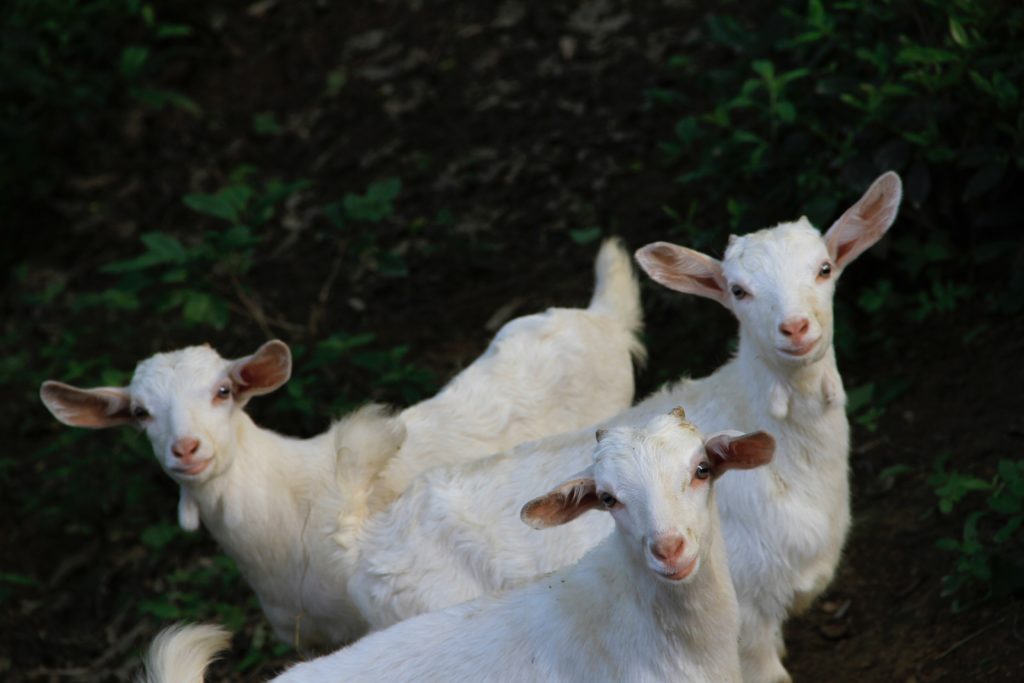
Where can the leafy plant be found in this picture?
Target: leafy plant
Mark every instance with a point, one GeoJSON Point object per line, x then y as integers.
{"type": "Point", "coordinates": [172, 276]}
{"type": "Point", "coordinates": [806, 104]}
{"type": "Point", "coordinates": [64, 67]}
{"type": "Point", "coordinates": [989, 554]}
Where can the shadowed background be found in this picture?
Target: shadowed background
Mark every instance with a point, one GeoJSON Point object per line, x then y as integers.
{"type": "Point", "coordinates": [382, 184]}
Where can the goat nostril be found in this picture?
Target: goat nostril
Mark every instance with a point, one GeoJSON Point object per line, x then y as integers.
{"type": "Point", "coordinates": [795, 328]}
{"type": "Point", "coordinates": [667, 548]}
{"type": "Point", "coordinates": [186, 447]}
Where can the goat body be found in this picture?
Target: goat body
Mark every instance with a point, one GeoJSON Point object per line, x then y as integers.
{"type": "Point", "coordinates": [453, 535]}
{"type": "Point", "coordinates": [289, 511]}
{"type": "Point", "coordinates": [629, 611]}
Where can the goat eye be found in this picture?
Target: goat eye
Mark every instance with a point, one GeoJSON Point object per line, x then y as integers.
{"type": "Point", "coordinates": [608, 500]}
{"type": "Point", "coordinates": [738, 292]}
{"type": "Point", "coordinates": [703, 470]}
{"type": "Point", "coordinates": [224, 391]}
{"type": "Point", "coordinates": [140, 413]}
{"type": "Point", "coordinates": [826, 271]}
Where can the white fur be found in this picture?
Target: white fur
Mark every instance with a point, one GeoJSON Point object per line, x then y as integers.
{"type": "Point", "coordinates": [289, 511]}
{"type": "Point", "coordinates": [612, 617]}
{"type": "Point", "coordinates": [180, 654]}
{"type": "Point", "coordinates": [454, 536]}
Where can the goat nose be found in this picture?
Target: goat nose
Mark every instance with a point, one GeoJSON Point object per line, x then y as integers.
{"type": "Point", "coordinates": [668, 548]}
{"type": "Point", "coordinates": [794, 328]}
{"type": "Point", "coordinates": [185, 447]}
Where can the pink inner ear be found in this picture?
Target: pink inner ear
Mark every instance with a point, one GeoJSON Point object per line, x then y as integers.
{"type": "Point", "coordinates": [92, 408]}
{"type": "Point", "coordinates": [264, 371]}
{"type": "Point", "coordinates": [708, 282]}
{"type": "Point", "coordinates": [561, 505]}
{"type": "Point", "coordinates": [739, 452]}
{"type": "Point", "coordinates": [843, 249]}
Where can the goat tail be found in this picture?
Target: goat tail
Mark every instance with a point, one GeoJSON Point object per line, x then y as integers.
{"type": "Point", "coordinates": [181, 653]}
{"type": "Point", "coordinates": [617, 290]}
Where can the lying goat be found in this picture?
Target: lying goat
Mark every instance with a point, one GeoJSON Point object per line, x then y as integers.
{"type": "Point", "coordinates": [290, 511]}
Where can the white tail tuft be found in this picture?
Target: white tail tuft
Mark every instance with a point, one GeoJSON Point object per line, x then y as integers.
{"type": "Point", "coordinates": [181, 653]}
{"type": "Point", "coordinates": [617, 291]}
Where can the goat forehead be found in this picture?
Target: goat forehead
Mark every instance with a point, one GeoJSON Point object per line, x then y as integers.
{"type": "Point", "coordinates": [630, 457]}
{"type": "Point", "coordinates": [177, 374]}
{"type": "Point", "coordinates": [775, 253]}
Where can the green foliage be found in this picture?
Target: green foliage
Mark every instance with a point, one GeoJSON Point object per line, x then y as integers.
{"type": "Point", "coordinates": [808, 103]}
{"type": "Point", "coordinates": [990, 553]}
{"type": "Point", "coordinates": [186, 594]}
{"type": "Point", "coordinates": [64, 65]}
{"type": "Point", "coordinates": [585, 235]}
{"type": "Point", "coordinates": [349, 218]}
{"type": "Point", "coordinates": [373, 206]}
{"type": "Point", "coordinates": [190, 279]}
{"type": "Point", "coordinates": [866, 405]}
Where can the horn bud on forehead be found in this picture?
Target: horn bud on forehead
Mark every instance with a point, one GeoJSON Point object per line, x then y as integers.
{"type": "Point", "coordinates": [680, 415]}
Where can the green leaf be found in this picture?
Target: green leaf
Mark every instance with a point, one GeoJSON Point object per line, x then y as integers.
{"type": "Point", "coordinates": [336, 80]}
{"type": "Point", "coordinates": [166, 248]}
{"type": "Point", "coordinates": [224, 205]}
{"type": "Point", "coordinates": [894, 471]}
{"type": "Point", "coordinates": [920, 54]}
{"type": "Point", "coordinates": [265, 123]}
{"type": "Point", "coordinates": [18, 579]}
{"type": "Point", "coordinates": [161, 248]}
{"type": "Point", "coordinates": [133, 59]}
{"type": "Point", "coordinates": [201, 308]}
{"type": "Point", "coordinates": [1009, 529]}
{"type": "Point", "coordinates": [173, 31]}
{"type": "Point", "coordinates": [159, 536]}
{"type": "Point", "coordinates": [585, 235]}
{"type": "Point", "coordinates": [859, 398]}
{"type": "Point", "coordinates": [957, 32]}
{"type": "Point", "coordinates": [158, 99]}
{"type": "Point", "coordinates": [764, 68]}
{"type": "Point", "coordinates": [785, 111]}
{"type": "Point", "coordinates": [376, 204]}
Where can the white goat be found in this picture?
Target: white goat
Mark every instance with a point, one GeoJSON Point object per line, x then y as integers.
{"type": "Point", "coordinates": [453, 536]}
{"type": "Point", "coordinates": [289, 510]}
{"type": "Point", "coordinates": [652, 602]}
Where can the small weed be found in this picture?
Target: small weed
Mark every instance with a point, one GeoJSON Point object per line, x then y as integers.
{"type": "Point", "coordinates": [989, 554]}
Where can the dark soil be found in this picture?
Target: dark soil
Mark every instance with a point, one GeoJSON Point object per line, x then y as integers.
{"type": "Point", "coordinates": [516, 123]}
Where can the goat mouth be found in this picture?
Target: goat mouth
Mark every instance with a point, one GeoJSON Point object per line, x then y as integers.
{"type": "Point", "coordinates": [192, 469]}
{"type": "Point", "coordinates": [801, 350]}
{"type": "Point", "coordinates": [681, 574]}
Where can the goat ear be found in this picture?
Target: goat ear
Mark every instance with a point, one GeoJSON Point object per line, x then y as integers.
{"type": "Point", "coordinates": [92, 408]}
{"type": "Point", "coordinates": [262, 372]}
{"type": "Point", "coordinates": [733, 450]}
{"type": "Point", "coordinates": [564, 503]}
{"type": "Point", "coordinates": [865, 222]}
{"type": "Point", "coordinates": [684, 270]}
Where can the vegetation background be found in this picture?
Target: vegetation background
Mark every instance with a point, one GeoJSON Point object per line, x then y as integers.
{"type": "Point", "coordinates": [381, 183]}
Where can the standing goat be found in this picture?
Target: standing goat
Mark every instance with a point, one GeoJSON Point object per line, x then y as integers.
{"type": "Point", "coordinates": [652, 602]}
{"type": "Point", "coordinates": [289, 511]}
{"type": "Point", "coordinates": [453, 535]}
